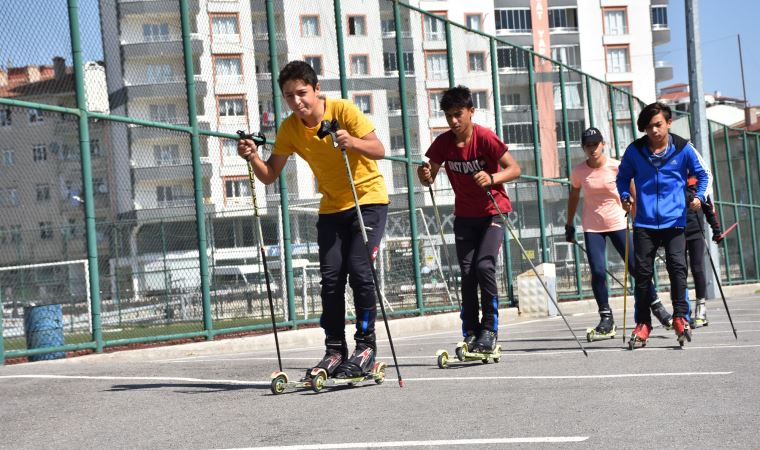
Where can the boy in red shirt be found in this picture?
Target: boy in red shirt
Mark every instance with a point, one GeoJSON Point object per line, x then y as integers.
{"type": "Point", "coordinates": [475, 159]}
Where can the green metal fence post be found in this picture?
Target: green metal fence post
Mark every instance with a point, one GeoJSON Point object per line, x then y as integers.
{"type": "Point", "coordinates": [569, 170]}
{"type": "Point", "coordinates": [2, 339]}
{"type": "Point", "coordinates": [496, 88]}
{"type": "Point", "coordinates": [727, 140]}
{"type": "Point", "coordinates": [718, 196]}
{"type": "Point", "coordinates": [589, 102]}
{"type": "Point", "coordinates": [537, 157]}
{"type": "Point", "coordinates": [284, 201]}
{"type": "Point", "coordinates": [748, 178]}
{"type": "Point", "coordinates": [615, 140]}
{"type": "Point", "coordinates": [631, 111]}
{"type": "Point", "coordinates": [341, 49]}
{"type": "Point", "coordinates": [195, 147]}
{"type": "Point", "coordinates": [84, 150]}
{"type": "Point", "coordinates": [449, 56]}
{"type": "Point", "coordinates": [408, 156]}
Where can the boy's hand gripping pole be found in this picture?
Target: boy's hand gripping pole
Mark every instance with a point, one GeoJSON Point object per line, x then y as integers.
{"type": "Point", "coordinates": [330, 128]}
{"type": "Point", "coordinates": [259, 139]}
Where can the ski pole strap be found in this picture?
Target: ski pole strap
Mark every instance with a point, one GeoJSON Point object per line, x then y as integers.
{"type": "Point", "coordinates": [258, 138]}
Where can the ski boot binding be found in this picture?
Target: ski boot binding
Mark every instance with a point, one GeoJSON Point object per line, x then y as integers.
{"type": "Point", "coordinates": [482, 349]}
{"type": "Point", "coordinates": [662, 314]}
{"type": "Point", "coordinates": [640, 335]}
{"type": "Point", "coordinates": [335, 354]}
{"type": "Point", "coordinates": [605, 330]}
{"type": "Point", "coordinates": [682, 329]}
{"type": "Point", "coordinates": [700, 314]}
{"type": "Point", "coordinates": [320, 379]}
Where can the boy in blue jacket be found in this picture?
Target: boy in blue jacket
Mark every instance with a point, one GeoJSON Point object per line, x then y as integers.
{"type": "Point", "coordinates": [659, 165]}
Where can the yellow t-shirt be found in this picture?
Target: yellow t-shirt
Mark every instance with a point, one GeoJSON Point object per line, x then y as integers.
{"type": "Point", "coordinates": [327, 162]}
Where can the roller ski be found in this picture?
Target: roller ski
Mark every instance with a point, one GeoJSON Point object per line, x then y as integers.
{"type": "Point", "coordinates": [483, 349]}
{"type": "Point", "coordinates": [605, 330]}
{"type": "Point", "coordinates": [335, 354]}
{"type": "Point", "coordinates": [640, 336]}
{"type": "Point", "coordinates": [682, 329]}
{"type": "Point", "coordinates": [662, 314]}
{"type": "Point", "coordinates": [700, 314]}
{"type": "Point", "coordinates": [360, 367]}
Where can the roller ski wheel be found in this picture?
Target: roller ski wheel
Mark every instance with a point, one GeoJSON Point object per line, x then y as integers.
{"type": "Point", "coordinates": [683, 331]}
{"type": "Point", "coordinates": [280, 383]}
{"type": "Point", "coordinates": [634, 340]}
{"type": "Point", "coordinates": [640, 335]}
{"type": "Point", "coordinates": [378, 372]}
{"type": "Point", "coordinates": [320, 380]}
{"type": "Point", "coordinates": [461, 351]}
{"type": "Point", "coordinates": [442, 358]}
{"type": "Point", "coordinates": [592, 334]}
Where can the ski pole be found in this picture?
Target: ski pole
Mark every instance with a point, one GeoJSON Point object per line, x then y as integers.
{"type": "Point", "coordinates": [715, 273]}
{"type": "Point", "coordinates": [443, 243]}
{"type": "Point", "coordinates": [728, 230]}
{"type": "Point", "coordinates": [330, 128]}
{"type": "Point", "coordinates": [260, 139]}
{"type": "Point", "coordinates": [532, 266]}
{"type": "Point", "coordinates": [625, 274]}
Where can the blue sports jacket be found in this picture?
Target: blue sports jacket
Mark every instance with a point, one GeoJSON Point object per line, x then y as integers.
{"type": "Point", "coordinates": [661, 180]}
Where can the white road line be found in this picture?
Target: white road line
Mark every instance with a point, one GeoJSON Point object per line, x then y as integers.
{"type": "Point", "coordinates": [112, 378]}
{"type": "Point", "coordinates": [436, 443]}
{"type": "Point", "coordinates": [572, 377]}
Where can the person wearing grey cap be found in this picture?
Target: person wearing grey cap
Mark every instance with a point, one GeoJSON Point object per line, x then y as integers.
{"type": "Point", "coordinates": [602, 218]}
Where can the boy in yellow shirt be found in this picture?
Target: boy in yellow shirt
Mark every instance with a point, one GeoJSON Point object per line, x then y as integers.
{"type": "Point", "coordinates": [342, 254]}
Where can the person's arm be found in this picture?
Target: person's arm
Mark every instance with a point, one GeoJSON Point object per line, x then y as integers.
{"type": "Point", "coordinates": [572, 206]}
{"type": "Point", "coordinates": [266, 171]}
{"type": "Point", "coordinates": [712, 219]}
{"type": "Point", "coordinates": [510, 170]}
{"type": "Point", "coordinates": [368, 145]}
{"type": "Point", "coordinates": [633, 199]}
{"type": "Point", "coordinates": [623, 182]}
{"type": "Point", "coordinates": [427, 172]}
{"type": "Point", "coordinates": [703, 174]}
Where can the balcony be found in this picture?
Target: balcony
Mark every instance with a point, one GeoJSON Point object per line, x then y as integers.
{"type": "Point", "coordinates": [660, 34]}
{"type": "Point", "coordinates": [157, 45]}
{"type": "Point", "coordinates": [150, 7]}
{"type": "Point", "coordinates": [663, 71]}
{"type": "Point", "coordinates": [178, 169]}
{"type": "Point", "coordinates": [167, 86]}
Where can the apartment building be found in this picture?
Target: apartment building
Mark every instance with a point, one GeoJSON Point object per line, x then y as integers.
{"type": "Point", "coordinates": [41, 196]}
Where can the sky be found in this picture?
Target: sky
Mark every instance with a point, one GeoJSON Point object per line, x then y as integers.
{"type": "Point", "coordinates": [720, 22]}
{"type": "Point", "coordinates": [37, 30]}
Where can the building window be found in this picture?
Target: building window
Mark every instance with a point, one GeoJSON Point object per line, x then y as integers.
{"type": "Point", "coordinates": [569, 55]}
{"type": "Point", "coordinates": [5, 117]}
{"type": "Point", "coordinates": [479, 99]}
{"type": "Point", "coordinates": [43, 192]}
{"type": "Point", "coordinates": [435, 29]}
{"type": "Point", "coordinates": [96, 150]}
{"type": "Point", "coordinates": [359, 65]}
{"type": "Point", "coordinates": [231, 107]}
{"type": "Point", "coordinates": [357, 26]}
{"type": "Point", "coordinates": [166, 155]}
{"type": "Point", "coordinates": [518, 133]}
{"type": "Point", "coordinates": [513, 20]}
{"type": "Point", "coordinates": [172, 195]}
{"type": "Point", "coordinates": [388, 27]}
{"type": "Point", "coordinates": [659, 16]}
{"type": "Point", "coordinates": [39, 153]}
{"type": "Point", "coordinates": [476, 62]}
{"type": "Point", "coordinates": [474, 21]}
{"type": "Point", "coordinates": [315, 62]}
{"type": "Point", "coordinates": [163, 113]}
{"type": "Point", "coordinates": [563, 19]}
{"type": "Point", "coordinates": [390, 63]}
{"type": "Point", "coordinates": [35, 115]}
{"type": "Point", "coordinates": [237, 188]}
{"type": "Point", "coordinates": [617, 60]}
{"type": "Point", "coordinates": [512, 59]}
{"type": "Point", "coordinates": [511, 99]}
{"type": "Point", "coordinates": [434, 103]}
{"type": "Point", "coordinates": [572, 96]}
{"type": "Point", "coordinates": [397, 141]}
{"type": "Point", "coordinates": [229, 148]}
{"type": "Point", "coordinates": [159, 73]}
{"type": "Point", "coordinates": [46, 231]}
{"type": "Point", "coordinates": [9, 158]}
{"type": "Point", "coordinates": [225, 27]}
{"type": "Point", "coordinates": [364, 103]}
{"type": "Point", "coordinates": [437, 68]}
{"type": "Point", "coordinates": [615, 22]}
{"type": "Point", "coordinates": [155, 32]}
{"type": "Point", "coordinates": [228, 68]}
{"type": "Point", "coordinates": [575, 129]}
{"type": "Point", "coordinates": [309, 26]}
